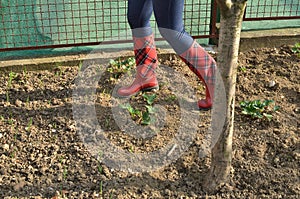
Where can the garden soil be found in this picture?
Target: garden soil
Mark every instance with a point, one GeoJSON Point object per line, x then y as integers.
{"type": "Point", "coordinates": [43, 156]}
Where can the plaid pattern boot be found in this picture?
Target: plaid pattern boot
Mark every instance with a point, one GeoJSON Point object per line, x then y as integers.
{"type": "Point", "coordinates": [204, 66]}
{"type": "Point", "coordinates": [146, 61]}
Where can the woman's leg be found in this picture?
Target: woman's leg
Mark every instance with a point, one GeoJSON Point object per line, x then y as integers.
{"type": "Point", "coordinates": [139, 14]}
{"type": "Point", "coordinates": [169, 17]}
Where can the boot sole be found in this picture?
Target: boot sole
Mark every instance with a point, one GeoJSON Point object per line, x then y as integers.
{"type": "Point", "coordinates": [155, 88]}
{"type": "Point", "coordinates": [204, 109]}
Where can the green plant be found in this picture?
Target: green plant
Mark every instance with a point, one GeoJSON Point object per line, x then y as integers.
{"type": "Point", "coordinates": [25, 71]}
{"type": "Point", "coordinates": [27, 100]}
{"type": "Point", "coordinates": [101, 187]}
{"type": "Point", "coordinates": [149, 98]}
{"type": "Point", "coordinates": [100, 156]}
{"type": "Point", "coordinates": [58, 70]}
{"type": "Point", "coordinates": [11, 76]}
{"type": "Point", "coordinates": [171, 98]}
{"type": "Point", "coordinates": [296, 49]}
{"type": "Point", "coordinates": [64, 173]}
{"type": "Point", "coordinates": [146, 118]}
{"type": "Point", "coordinates": [142, 116]}
{"type": "Point", "coordinates": [10, 119]}
{"type": "Point", "coordinates": [7, 96]}
{"type": "Point", "coordinates": [29, 124]}
{"type": "Point", "coordinates": [131, 149]}
{"type": "Point", "coordinates": [80, 65]}
{"type": "Point", "coordinates": [106, 122]}
{"type": "Point", "coordinates": [134, 113]}
{"type": "Point", "coordinates": [25, 75]}
{"type": "Point", "coordinates": [119, 66]}
{"type": "Point", "coordinates": [13, 153]}
{"type": "Point", "coordinates": [258, 109]}
{"type": "Point", "coordinates": [243, 68]}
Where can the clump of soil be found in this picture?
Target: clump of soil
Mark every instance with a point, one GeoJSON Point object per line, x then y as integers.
{"type": "Point", "coordinates": [43, 156]}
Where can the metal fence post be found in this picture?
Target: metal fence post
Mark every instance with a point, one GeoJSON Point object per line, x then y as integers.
{"type": "Point", "coordinates": [214, 19]}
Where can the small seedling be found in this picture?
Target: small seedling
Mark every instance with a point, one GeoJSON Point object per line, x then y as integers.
{"type": "Point", "coordinates": [11, 76]}
{"type": "Point", "coordinates": [243, 68]}
{"type": "Point", "coordinates": [106, 123]}
{"type": "Point", "coordinates": [170, 98]}
{"type": "Point", "coordinates": [258, 109]}
{"type": "Point", "coordinates": [27, 100]}
{"type": "Point", "coordinates": [143, 117]}
{"type": "Point", "coordinates": [7, 96]}
{"type": "Point", "coordinates": [10, 121]}
{"type": "Point", "coordinates": [101, 187]}
{"type": "Point", "coordinates": [25, 71]}
{"type": "Point", "coordinates": [150, 109]}
{"type": "Point", "coordinates": [134, 113]}
{"type": "Point", "coordinates": [13, 153]}
{"type": "Point", "coordinates": [119, 66]}
{"type": "Point", "coordinates": [29, 125]}
{"type": "Point", "coordinates": [80, 65]}
{"type": "Point", "coordinates": [64, 173]}
{"type": "Point", "coordinates": [100, 156]}
{"type": "Point", "coordinates": [100, 169]}
{"type": "Point", "coordinates": [58, 70]}
{"type": "Point", "coordinates": [296, 49]}
{"type": "Point", "coordinates": [131, 149]}
{"type": "Point", "coordinates": [149, 98]}
{"type": "Point", "coordinates": [146, 119]}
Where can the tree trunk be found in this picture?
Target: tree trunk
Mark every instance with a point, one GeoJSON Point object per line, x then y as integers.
{"type": "Point", "coordinates": [230, 28]}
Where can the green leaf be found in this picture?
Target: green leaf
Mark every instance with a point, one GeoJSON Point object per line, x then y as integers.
{"type": "Point", "coordinates": [124, 106]}
{"type": "Point", "coordinates": [150, 98]}
{"type": "Point", "coordinates": [268, 116]}
{"type": "Point", "coordinates": [129, 108]}
{"type": "Point", "coordinates": [258, 115]}
{"type": "Point", "coordinates": [112, 62]}
{"type": "Point", "coordinates": [146, 119]}
{"type": "Point", "coordinates": [243, 103]}
{"type": "Point", "coordinates": [296, 48]}
{"type": "Point", "coordinates": [150, 109]}
{"type": "Point", "coordinates": [276, 108]}
{"type": "Point", "coordinates": [245, 112]}
{"type": "Point", "coordinates": [267, 102]}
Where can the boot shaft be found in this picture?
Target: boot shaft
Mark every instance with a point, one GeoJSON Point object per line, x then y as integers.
{"type": "Point", "coordinates": [201, 63]}
{"type": "Point", "coordinates": [204, 66]}
{"type": "Point", "coordinates": [145, 51]}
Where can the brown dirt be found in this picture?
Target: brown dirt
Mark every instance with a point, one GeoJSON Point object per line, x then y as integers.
{"type": "Point", "coordinates": [42, 156]}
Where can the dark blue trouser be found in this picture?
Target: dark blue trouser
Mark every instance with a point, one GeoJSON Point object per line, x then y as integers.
{"type": "Point", "coordinates": [169, 18]}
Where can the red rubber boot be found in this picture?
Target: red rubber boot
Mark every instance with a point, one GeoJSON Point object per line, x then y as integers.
{"type": "Point", "coordinates": [146, 61]}
{"type": "Point", "coordinates": [204, 66]}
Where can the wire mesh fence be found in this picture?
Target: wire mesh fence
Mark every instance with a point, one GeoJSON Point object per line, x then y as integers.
{"type": "Point", "coordinates": [29, 24]}
{"type": "Point", "coordinates": [272, 9]}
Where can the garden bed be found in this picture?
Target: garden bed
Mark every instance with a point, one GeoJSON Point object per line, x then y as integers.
{"type": "Point", "coordinates": [42, 155]}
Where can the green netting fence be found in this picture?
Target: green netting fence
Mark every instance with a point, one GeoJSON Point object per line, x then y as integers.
{"type": "Point", "coordinates": [34, 24]}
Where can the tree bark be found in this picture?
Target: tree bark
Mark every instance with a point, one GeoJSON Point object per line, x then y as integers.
{"type": "Point", "coordinates": [232, 12]}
